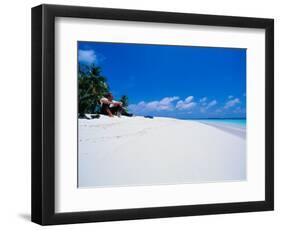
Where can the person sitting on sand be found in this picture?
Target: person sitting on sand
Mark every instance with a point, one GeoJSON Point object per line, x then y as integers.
{"type": "Point", "coordinates": [110, 107]}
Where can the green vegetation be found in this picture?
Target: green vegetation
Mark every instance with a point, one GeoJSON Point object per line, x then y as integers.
{"type": "Point", "coordinates": [125, 101]}
{"type": "Point", "coordinates": [92, 86]}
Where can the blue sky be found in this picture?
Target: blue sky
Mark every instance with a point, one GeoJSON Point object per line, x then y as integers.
{"type": "Point", "coordinates": [173, 81]}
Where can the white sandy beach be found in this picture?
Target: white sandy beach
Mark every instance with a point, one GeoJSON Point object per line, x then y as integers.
{"type": "Point", "coordinates": [140, 151]}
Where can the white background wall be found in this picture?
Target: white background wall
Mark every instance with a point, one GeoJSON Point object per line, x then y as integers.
{"type": "Point", "coordinates": [15, 167]}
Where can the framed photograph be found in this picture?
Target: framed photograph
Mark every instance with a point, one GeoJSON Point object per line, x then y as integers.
{"type": "Point", "coordinates": [142, 114]}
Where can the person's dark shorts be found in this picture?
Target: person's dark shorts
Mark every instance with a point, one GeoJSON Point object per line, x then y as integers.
{"type": "Point", "coordinates": [113, 109]}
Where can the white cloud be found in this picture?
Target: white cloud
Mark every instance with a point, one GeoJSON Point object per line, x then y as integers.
{"type": "Point", "coordinates": [211, 104]}
{"type": "Point", "coordinates": [237, 109]}
{"type": "Point", "coordinates": [167, 100]}
{"type": "Point", "coordinates": [204, 105]}
{"type": "Point", "coordinates": [87, 56]}
{"type": "Point", "coordinates": [186, 104]}
{"type": "Point", "coordinates": [181, 105]}
{"type": "Point", "coordinates": [230, 97]}
{"type": "Point", "coordinates": [231, 103]}
{"type": "Point", "coordinates": [202, 109]}
{"type": "Point", "coordinates": [188, 99]}
{"type": "Point", "coordinates": [165, 104]}
{"type": "Point", "coordinates": [202, 100]}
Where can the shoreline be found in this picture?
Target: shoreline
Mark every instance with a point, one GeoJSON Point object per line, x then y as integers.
{"type": "Point", "coordinates": [230, 128]}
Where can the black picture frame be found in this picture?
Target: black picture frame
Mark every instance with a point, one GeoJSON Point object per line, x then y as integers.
{"type": "Point", "coordinates": [43, 114]}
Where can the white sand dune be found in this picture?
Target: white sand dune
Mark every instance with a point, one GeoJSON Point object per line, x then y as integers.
{"type": "Point", "coordinates": [141, 151]}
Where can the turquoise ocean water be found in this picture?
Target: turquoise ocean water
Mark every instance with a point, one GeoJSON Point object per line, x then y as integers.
{"type": "Point", "coordinates": [237, 122]}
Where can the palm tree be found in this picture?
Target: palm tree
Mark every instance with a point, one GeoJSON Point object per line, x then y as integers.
{"type": "Point", "coordinates": [125, 101]}
{"type": "Point", "coordinates": [92, 86]}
